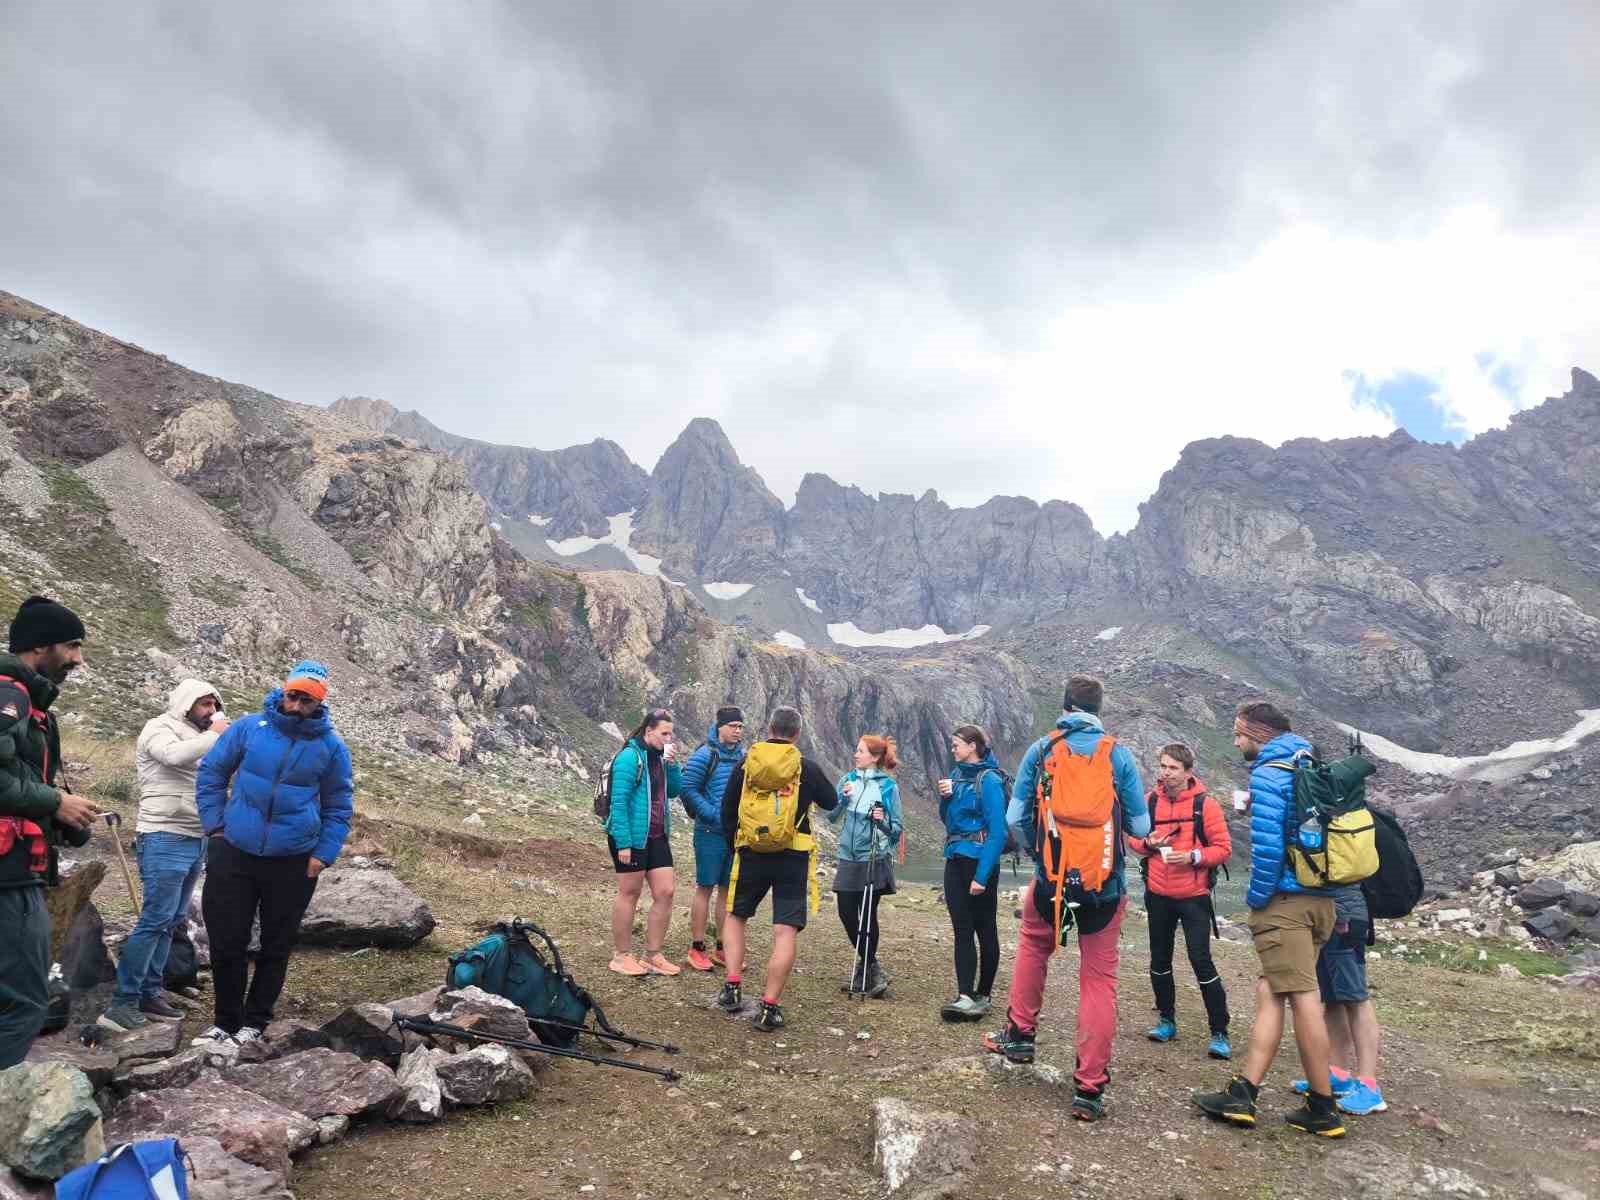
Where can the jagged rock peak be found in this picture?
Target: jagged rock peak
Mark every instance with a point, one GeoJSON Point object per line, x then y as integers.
{"type": "Point", "coordinates": [702, 438]}
{"type": "Point", "coordinates": [366, 411]}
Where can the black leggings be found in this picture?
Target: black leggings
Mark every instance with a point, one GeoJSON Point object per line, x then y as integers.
{"type": "Point", "coordinates": [972, 916]}
{"type": "Point", "coordinates": [850, 917]}
{"type": "Point", "coordinates": [1195, 916]}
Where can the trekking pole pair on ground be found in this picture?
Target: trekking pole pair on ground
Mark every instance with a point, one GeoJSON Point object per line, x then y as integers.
{"type": "Point", "coordinates": [440, 1029]}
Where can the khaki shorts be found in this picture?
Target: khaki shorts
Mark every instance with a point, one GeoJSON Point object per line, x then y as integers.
{"type": "Point", "coordinates": [1289, 934]}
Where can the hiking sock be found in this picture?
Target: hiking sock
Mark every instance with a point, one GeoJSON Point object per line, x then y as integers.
{"type": "Point", "coordinates": [769, 1000]}
{"type": "Point", "coordinates": [1368, 1082]}
{"type": "Point", "coordinates": [1320, 1103]}
{"type": "Point", "coordinates": [700, 946]}
{"type": "Point", "coordinates": [1339, 1073]}
{"type": "Point", "coordinates": [733, 979]}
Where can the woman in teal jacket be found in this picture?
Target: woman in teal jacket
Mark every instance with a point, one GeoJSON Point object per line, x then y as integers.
{"type": "Point", "coordinates": [644, 776]}
{"type": "Point", "coordinates": [870, 808]}
{"type": "Point", "coordinates": [972, 805]}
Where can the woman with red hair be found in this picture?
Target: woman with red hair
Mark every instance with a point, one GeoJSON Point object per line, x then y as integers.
{"type": "Point", "coordinates": [869, 805]}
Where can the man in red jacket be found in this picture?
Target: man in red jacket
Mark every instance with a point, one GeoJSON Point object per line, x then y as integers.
{"type": "Point", "coordinates": [1188, 841]}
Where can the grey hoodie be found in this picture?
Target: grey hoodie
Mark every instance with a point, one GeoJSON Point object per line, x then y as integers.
{"type": "Point", "coordinates": [167, 758]}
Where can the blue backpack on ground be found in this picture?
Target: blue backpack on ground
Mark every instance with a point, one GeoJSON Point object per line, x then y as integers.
{"type": "Point", "coordinates": [152, 1170]}
{"type": "Point", "coordinates": [508, 964]}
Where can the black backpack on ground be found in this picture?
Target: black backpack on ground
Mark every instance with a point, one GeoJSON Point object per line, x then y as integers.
{"type": "Point", "coordinates": [1397, 887]}
{"type": "Point", "coordinates": [183, 967]}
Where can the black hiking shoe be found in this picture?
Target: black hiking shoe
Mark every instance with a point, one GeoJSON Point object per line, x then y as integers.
{"type": "Point", "coordinates": [877, 981]}
{"type": "Point", "coordinates": [1011, 1042]}
{"type": "Point", "coordinates": [1235, 1103]}
{"type": "Point", "coordinates": [729, 1000]}
{"type": "Point", "coordinates": [769, 1019]}
{"type": "Point", "coordinates": [1088, 1106]}
{"type": "Point", "coordinates": [1317, 1115]}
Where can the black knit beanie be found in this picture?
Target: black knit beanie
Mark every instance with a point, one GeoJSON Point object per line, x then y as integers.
{"type": "Point", "coordinates": [42, 622]}
{"type": "Point", "coordinates": [728, 714]}
{"type": "Point", "coordinates": [1085, 693]}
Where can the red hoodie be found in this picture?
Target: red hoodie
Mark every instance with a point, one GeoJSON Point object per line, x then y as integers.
{"type": "Point", "coordinates": [1181, 881]}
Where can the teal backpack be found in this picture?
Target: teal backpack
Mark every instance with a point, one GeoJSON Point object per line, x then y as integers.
{"type": "Point", "coordinates": [507, 963]}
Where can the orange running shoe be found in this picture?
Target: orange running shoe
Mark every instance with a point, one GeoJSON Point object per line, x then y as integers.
{"type": "Point", "coordinates": [627, 964]}
{"type": "Point", "coordinates": [659, 964]}
{"type": "Point", "coordinates": [699, 960]}
{"type": "Point", "coordinates": [719, 958]}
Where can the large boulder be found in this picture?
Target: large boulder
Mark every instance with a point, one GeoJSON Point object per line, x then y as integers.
{"type": "Point", "coordinates": [364, 907]}
{"type": "Point", "coordinates": [482, 1012]}
{"type": "Point", "coordinates": [289, 1036]}
{"type": "Point", "coordinates": [1540, 893]}
{"type": "Point", "coordinates": [152, 1040]}
{"type": "Point", "coordinates": [96, 1062]}
{"type": "Point", "coordinates": [930, 1152]}
{"type": "Point", "coordinates": [180, 1070]}
{"type": "Point", "coordinates": [49, 1122]}
{"type": "Point", "coordinates": [69, 898]}
{"type": "Point", "coordinates": [367, 1031]}
{"type": "Point", "coordinates": [217, 1175]}
{"type": "Point", "coordinates": [419, 1005]}
{"type": "Point", "coordinates": [16, 1187]}
{"type": "Point", "coordinates": [85, 961]}
{"type": "Point", "coordinates": [321, 1083]}
{"type": "Point", "coordinates": [1581, 904]}
{"type": "Point", "coordinates": [249, 1126]}
{"type": "Point", "coordinates": [483, 1075]}
{"type": "Point", "coordinates": [421, 1099]}
{"type": "Point", "coordinates": [1551, 924]}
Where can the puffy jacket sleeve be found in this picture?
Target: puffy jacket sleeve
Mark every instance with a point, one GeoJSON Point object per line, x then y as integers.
{"type": "Point", "coordinates": [674, 777]}
{"type": "Point", "coordinates": [1267, 835]}
{"type": "Point", "coordinates": [992, 808]}
{"type": "Point", "coordinates": [216, 769]}
{"type": "Point", "coordinates": [1130, 793]}
{"type": "Point", "coordinates": [164, 745]}
{"type": "Point", "coordinates": [696, 775]}
{"type": "Point", "coordinates": [893, 814]}
{"type": "Point", "coordinates": [22, 794]}
{"type": "Point", "coordinates": [338, 804]}
{"type": "Point", "coordinates": [1138, 845]}
{"type": "Point", "coordinates": [1020, 814]}
{"type": "Point", "coordinates": [838, 811]}
{"type": "Point", "coordinates": [1219, 843]}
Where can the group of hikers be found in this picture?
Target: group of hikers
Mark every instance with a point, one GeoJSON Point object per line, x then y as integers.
{"type": "Point", "coordinates": [263, 804]}
{"type": "Point", "coordinates": [1078, 808]}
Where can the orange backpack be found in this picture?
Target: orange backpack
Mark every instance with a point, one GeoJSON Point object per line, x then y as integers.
{"type": "Point", "coordinates": [1077, 819]}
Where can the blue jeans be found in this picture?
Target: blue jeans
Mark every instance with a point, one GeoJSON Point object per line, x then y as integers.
{"type": "Point", "coordinates": [169, 868]}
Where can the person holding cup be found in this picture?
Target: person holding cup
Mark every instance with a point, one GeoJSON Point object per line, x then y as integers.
{"type": "Point", "coordinates": [869, 805]}
{"type": "Point", "coordinates": [644, 776]}
{"type": "Point", "coordinates": [1188, 841]}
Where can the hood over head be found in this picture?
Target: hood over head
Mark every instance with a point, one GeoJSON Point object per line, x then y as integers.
{"type": "Point", "coordinates": [183, 697]}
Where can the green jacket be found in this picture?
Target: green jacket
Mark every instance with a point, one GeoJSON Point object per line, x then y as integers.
{"type": "Point", "coordinates": [30, 762]}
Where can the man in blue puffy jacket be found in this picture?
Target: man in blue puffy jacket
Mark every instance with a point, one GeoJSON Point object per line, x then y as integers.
{"type": "Point", "coordinates": [1290, 924]}
{"type": "Point", "coordinates": [269, 836]}
{"type": "Point", "coordinates": [705, 778]}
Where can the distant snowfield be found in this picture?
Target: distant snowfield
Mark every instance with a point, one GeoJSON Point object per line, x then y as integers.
{"type": "Point", "coordinates": [1500, 766]}
{"type": "Point", "coordinates": [847, 634]}
{"type": "Point", "coordinates": [536, 519]}
{"type": "Point", "coordinates": [806, 600]}
{"type": "Point", "coordinates": [727, 591]}
{"type": "Point", "coordinates": [618, 537]}
{"type": "Point", "coordinates": [1105, 635]}
{"type": "Point", "coordinates": [792, 640]}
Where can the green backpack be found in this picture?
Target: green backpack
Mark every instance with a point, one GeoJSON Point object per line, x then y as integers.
{"type": "Point", "coordinates": [1332, 838]}
{"type": "Point", "coordinates": [508, 964]}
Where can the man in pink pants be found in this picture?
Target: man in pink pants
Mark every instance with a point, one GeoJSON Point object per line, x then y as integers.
{"type": "Point", "coordinates": [1097, 916]}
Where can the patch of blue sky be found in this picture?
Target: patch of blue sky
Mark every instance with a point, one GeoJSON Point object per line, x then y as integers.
{"type": "Point", "coordinates": [1412, 401]}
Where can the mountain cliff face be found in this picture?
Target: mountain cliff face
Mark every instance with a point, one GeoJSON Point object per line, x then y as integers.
{"type": "Point", "coordinates": [575, 489]}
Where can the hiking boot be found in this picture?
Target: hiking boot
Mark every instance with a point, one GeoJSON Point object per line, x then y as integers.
{"type": "Point", "coordinates": [123, 1018]}
{"type": "Point", "coordinates": [659, 964]}
{"type": "Point", "coordinates": [877, 981]}
{"type": "Point", "coordinates": [769, 1019]}
{"type": "Point", "coordinates": [962, 1008]}
{"type": "Point", "coordinates": [248, 1034]}
{"type": "Point", "coordinates": [1337, 1084]}
{"type": "Point", "coordinates": [1361, 1100]}
{"type": "Point", "coordinates": [1235, 1103]}
{"type": "Point", "coordinates": [857, 982]}
{"type": "Point", "coordinates": [215, 1035]}
{"type": "Point", "coordinates": [627, 964]}
{"type": "Point", "coordinates": [1220, 1047]}
{"type": "Point", "coordinates": [1011, 1042]}
{"type": "Point", "coordinates": [1165, 1031]}
{"type": "Point", "coordinates": [699, 959]}
{"type": "Point", "coordinates": [1318, 1115]}
{"type": "Point", "coordinates": [1088, 1106]}
{"type": "Point", "coordinates": [158, 1008]}
{"type": "Point", "coordinates": [729, 1000]}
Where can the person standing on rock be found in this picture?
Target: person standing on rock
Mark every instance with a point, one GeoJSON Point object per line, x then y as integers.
{"type": "Point", "coordinates": [972, 805]}
{"type": "Point", "coordinates": [1073, 764]}
{"type": "Point", "coordinates": [1188, 842]}
{"type": "Point", "coordinates": [1290, 925]}
{"type": "Point", "coordinates": [869, 804]}
{"type": "Point", "coordinates": [705, 778]}
{"type": "Point", "coordinates": [281, 823]}
{"type": "Point", "coordinates": [766, 819]}
{"type": "Point", "coordinates": [169, 847]}
{"type": "Point", "coordinates": [644, 777]}
{"type": "Point", "coordinates": [36, 814]}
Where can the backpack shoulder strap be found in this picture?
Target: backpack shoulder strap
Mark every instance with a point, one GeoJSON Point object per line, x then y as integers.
{"type": "Point", "coordinates": [1200, 819]}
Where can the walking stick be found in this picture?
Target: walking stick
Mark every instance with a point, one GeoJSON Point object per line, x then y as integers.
{"type": "Point", "coordinates": [861, 916]}
{"type": "Point", "coordinates": [113, 820]}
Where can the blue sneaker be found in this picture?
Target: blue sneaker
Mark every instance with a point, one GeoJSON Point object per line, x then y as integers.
{"type": "Point", "coordinates": [1360, 1100]}
{"type": "Point", "coordinates": [1166, 1031]}
{"type": "Point", "coordinates": [1219, 1047]}
{"type": "Point", "coordinates": [1336, 1085]}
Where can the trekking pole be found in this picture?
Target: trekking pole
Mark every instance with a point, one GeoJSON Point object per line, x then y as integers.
{"type": "Point", "coordinates": [625, 1039]}
{"type": "Point", "coordinates": [114, 819]}
{"type": "Point", "coordinates": [861, 917]}
{"type": "Point", "coordinates": [436, 1029]}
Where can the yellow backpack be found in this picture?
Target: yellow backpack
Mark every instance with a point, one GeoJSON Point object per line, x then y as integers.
{"type": "Point", "coordinates": [769, 802]}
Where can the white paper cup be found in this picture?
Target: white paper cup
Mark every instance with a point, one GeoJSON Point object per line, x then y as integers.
{"type": "Point", "coordinates": [1166, 854]}
{"type": "Point", "coordinates": [1240, 799]}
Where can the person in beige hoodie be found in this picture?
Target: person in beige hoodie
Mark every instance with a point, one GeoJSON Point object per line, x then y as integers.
{"type": "Point", "coordinates": [169, 846]}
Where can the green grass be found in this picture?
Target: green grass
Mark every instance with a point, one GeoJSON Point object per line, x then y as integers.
{"type": "Point", "coordinates": [1464, 956]}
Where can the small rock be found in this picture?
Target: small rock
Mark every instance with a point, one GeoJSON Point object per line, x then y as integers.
{"type": "Point", "coordinates": [483, 1012]}
{"type": "Point", "coordinates": [1506, 971]}
{"type": "Point", "coordinates": [321, 1083]}
{"type": "Point", "coordinates": [331, 1129]}
{"type": "Point", "coordinates": [1581, 904]}
{"type": "Point", "coordinates": [1551, 924]}
{"type": "Point", "coordinates": [288, 1036]}
{"type": "Point", "coordinates": [367, 1031]}
{"type": "Point", "coordinates": [483, 1075]}
{"type": "Point", "coordinates": [421, 1099]}
{"type": "Point", "coordinates": [96, 1062]}
{"type": "Point", "coordinates": [475, 820]}
{"type": "Point", "coordinates": [1453, 914]}
{"type": "Point", "coordinates": [795, 1156]}
{"type": "Point", "coordinates": [912, 1145]}
{"type": "Point", "coordinates": [178, 1071]}
{"type": "Point", "coordinates": [1507, 877]}
{"type": "Point", "coordinates": [217, 1175]}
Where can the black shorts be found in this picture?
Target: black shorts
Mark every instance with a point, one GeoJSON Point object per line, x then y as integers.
{"type": "Point", "coordinates": [786, 874]}
{"type": "Point", "coordinates": [657, 852]}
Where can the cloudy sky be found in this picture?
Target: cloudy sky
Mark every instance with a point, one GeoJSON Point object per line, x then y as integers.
{"type": "Point", "coordinates": [1023, 248]}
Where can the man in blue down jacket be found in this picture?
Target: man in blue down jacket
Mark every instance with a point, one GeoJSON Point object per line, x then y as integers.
{"type": "Point", "coordinates": [705, 778]}
{"type": "Point", "coordinates": [284, 820]}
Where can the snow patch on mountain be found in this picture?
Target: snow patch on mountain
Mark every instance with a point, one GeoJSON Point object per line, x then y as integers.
{"type": "Point", "coordinates": [1106, 635]}
{"type": "Point", "coordinates": [792, 640]}
{"type": "Point", "coordinates": [618, 537]}
{"type": "Point", "coordinates": [847, 634]}
{"type": "Point", "coordinates": [536, 519]}
{"type": "Point", "coordinates": [726, 591]}
{"type": "Point", "coordinates": [806, 600]}
{"type": "Point", "coordinates": [1499, 766]}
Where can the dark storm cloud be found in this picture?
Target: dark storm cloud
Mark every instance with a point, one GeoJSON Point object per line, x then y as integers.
{"type": "Point", "coordinates": [547, 222]}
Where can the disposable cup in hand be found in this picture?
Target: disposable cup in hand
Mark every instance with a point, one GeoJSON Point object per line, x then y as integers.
{"type": "Point", "coordinates": [1240, 799]}
{"type": "Point", "coordinates": [1166, 854]}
